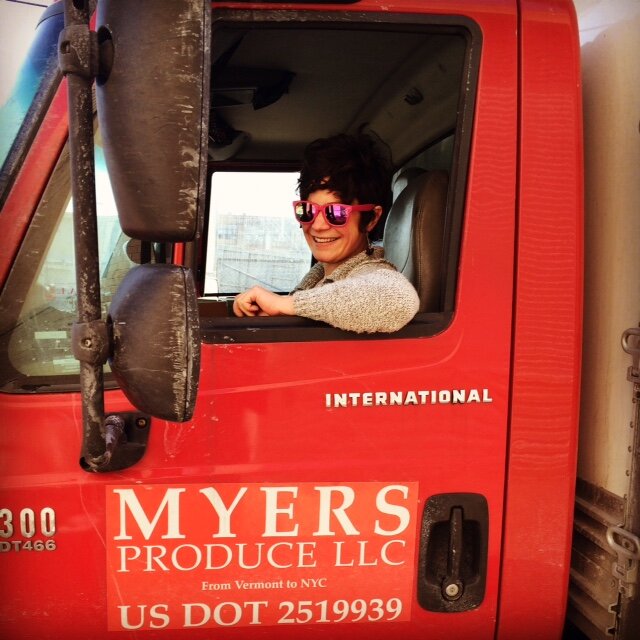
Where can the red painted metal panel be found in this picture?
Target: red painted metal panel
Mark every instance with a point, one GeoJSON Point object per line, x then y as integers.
{"type": "Point", "coordinates": [261, 415]}
{"type": "Point", "coordinates": [32, 179]}
{"type": "Point", "coordinates": [547, 336]}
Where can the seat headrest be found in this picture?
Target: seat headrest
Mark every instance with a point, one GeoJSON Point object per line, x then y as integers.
{"type": "Point", "coordinates": [413, 234]}
{"type": "Point", "coordinates": [403, 178]}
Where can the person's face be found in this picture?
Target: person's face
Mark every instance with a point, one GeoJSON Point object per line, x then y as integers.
{"type": "Point", "coordinates": [335, 245]}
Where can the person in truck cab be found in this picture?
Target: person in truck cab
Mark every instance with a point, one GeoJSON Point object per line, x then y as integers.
{"type": "Point", "coordinates": [344, 189]}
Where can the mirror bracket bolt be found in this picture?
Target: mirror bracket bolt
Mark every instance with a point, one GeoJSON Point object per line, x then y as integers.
{"type": "Point", "coordinates": [78, 51]}
{"type": "Point", "coordinates": [90, 341]}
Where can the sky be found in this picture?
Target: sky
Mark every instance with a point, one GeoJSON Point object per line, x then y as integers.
{"type": "Point", "coordinates": [18, 19]}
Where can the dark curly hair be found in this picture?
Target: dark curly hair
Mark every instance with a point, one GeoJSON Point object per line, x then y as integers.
{"type": "Point", "coordinates": [356, 167]}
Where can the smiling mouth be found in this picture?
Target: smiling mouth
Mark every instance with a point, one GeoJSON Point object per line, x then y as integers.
{"type": "Point", "coordinates": [323, 240]}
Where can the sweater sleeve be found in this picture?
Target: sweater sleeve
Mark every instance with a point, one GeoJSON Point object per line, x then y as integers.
{"type": "Point", "coordinates": [374, 298]}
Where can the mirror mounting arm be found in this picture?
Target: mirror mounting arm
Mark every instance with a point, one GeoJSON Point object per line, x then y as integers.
{"type": "Point", "coordinates": [77, 57]}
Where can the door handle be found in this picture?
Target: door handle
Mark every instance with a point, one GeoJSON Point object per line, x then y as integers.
{"type": "Point", "coordinates": [452, 585]}
{"type": "Point", "coordinates": [452, 566]}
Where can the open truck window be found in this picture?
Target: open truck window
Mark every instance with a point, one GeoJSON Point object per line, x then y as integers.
{"type": "Point", "coordinates": [278, 84]}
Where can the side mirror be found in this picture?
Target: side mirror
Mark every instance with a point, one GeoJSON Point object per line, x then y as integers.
{"type": "Point", "coordinates": [153, 108]}
{"type": "Point", "coordinates": [156, 340]}
{"type": "Point", "coordinates": [152, 62]}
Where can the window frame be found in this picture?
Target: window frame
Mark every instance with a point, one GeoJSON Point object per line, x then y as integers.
{"type": "Point", "coordinates": [217, 329]}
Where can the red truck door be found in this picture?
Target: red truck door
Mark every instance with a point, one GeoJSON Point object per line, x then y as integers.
{"type": "Point", "coordinates": [317, 425]}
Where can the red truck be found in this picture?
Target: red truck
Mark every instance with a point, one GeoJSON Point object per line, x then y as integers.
{"type": "Point", "coordinates": [171, 471]}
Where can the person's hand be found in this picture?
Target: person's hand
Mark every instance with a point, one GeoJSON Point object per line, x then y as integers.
{"type": "Point", "coordinates": [260, 302]}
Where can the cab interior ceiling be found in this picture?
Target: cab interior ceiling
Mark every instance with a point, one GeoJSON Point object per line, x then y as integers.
{"type": "Point", "coordinates": [276, 87]}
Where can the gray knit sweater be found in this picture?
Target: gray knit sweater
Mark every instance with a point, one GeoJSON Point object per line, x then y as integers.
{"type": "Point", "coordinates": [365, 294]}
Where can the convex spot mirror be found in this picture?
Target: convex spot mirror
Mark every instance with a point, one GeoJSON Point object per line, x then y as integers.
{"type": "Point", "coordinates": [153, 109]}
{"type": "Point", "coordinates": [156, 340]}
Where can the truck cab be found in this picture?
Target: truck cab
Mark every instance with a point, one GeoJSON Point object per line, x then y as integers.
{"type": "Point", "coordinates": [313, 482]}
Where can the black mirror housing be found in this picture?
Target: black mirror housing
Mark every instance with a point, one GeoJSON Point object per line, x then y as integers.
{"type": "Point", "coordinates": [153, 109]}
{"type": "Point", "coordinates": [156, 340]}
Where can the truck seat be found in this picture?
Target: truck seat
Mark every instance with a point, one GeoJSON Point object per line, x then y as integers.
{"type": "Point", "coordinates": [413, 233]}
